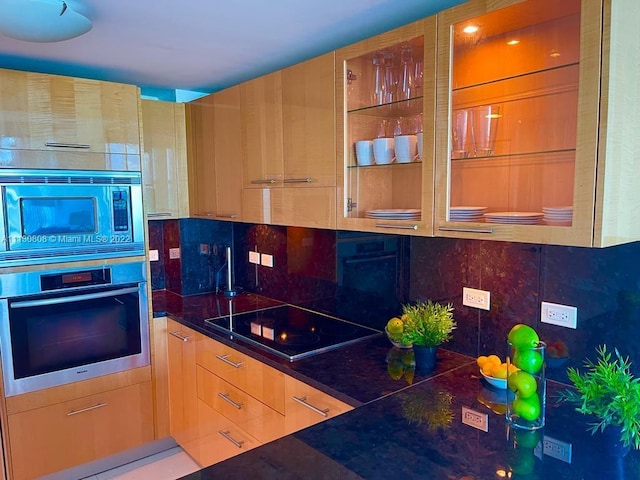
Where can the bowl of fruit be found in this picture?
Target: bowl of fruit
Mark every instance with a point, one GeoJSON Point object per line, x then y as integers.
{"type": "Point", "coordinates": [494, 370]}
{"type": "Point", "coordinates": [394, 329]}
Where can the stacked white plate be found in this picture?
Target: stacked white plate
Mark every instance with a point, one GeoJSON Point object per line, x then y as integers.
{"type": "Point", "coordinates": [467, 214]}
{"type": "Point", "coordinates": [394, 214]}
{"type": "Point", "coordinates": [514, 218]}
{"type": "Point", "coordinates": [558, 215]}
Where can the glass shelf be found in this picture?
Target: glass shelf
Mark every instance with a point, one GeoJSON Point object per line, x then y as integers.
{"type": "Point", "coordinates": [411, 106]}
{"type": "Point", "coordinates": [516, 155]}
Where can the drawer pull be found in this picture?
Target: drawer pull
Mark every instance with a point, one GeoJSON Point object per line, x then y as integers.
{"type": "Point", "coordinates": [226, 434]}
{"type": "Point", "coordinates": [298, 180]}
{"type": "Point", "coordinates": [67, 145]}
{"type": "Point", "coordinates": [303, 401]}
{"type": "Point", "coordinates": [265, 181]}
{"type": "Point", "coordinates": [225, 359]}
{"type": "Point", "coordinates": [181, 337]}
{"type": "Point", "coordinates": [82, 410]}
{"type": "Point", "coordinates": [225, 397]}
{"type": "Point", "coordinates": [388, 225]}
{"type": "Point", "coordinates": [465, 229]}
{"type": "Point", "coordinates": [159, 214]}
{"type": "Point", "coordinates": [227, 215]}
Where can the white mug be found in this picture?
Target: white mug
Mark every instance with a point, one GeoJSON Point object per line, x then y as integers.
{"type": "Point", "coordinates": [420, 140]}
{"type": "Point", "coordinates": [364, 152]}
{"type": "Point", "coordinates": [405, 148]}
{"type": "Point", "coordinates": [383, 150]}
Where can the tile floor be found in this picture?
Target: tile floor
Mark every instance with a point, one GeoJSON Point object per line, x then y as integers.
{"type": "Point", "coordinates": [167, 465]}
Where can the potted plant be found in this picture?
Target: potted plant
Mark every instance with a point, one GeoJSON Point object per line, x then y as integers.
{"type": "Point", "coordinates": [426, 325]}
{"type": "Point", "coordinates": [608, 391]}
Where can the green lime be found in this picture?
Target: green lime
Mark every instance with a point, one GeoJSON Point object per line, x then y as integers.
{"type": "Point", "coordinates": [523, 336]}
{"type": "Point", "coordinates": [528, 360]}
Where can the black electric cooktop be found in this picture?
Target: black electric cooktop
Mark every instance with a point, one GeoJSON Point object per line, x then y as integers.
{"type": "Point", "coordinates": [291, 332]}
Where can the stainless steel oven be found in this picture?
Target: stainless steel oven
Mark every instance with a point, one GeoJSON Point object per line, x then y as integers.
{"type": "Point", "coordinates": [63, 215]}
{"type": "Point", "coordinates": [70, 324]}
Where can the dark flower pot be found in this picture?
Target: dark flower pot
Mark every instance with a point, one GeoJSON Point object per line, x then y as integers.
{"type": "Point", "coordinates": [425, 358]}
{"type": "Point", "coordinates": [611, 443]}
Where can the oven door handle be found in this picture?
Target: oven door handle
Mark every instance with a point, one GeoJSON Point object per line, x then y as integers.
{"type": "Point", "coordinates": [76, 298]}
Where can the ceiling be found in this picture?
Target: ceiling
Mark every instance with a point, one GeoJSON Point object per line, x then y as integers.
{"type": "Point", "coordinates": [207, 45]}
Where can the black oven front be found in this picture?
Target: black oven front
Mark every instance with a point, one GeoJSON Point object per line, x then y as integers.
{"type": "Point", "coordinates": [67, 325]}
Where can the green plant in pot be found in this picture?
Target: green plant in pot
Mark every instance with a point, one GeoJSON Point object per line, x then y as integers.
{"type": "Point", "coordinates": [427, 325]}
{"type": "Point", "coordinates": [608, 391]}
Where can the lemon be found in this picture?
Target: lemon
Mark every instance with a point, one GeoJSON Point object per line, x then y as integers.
{"type": "Point", "coordinates": [395, 326]}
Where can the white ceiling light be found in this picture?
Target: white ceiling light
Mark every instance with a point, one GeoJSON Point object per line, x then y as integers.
{"type": "Point", "coordinates": [41, 20]}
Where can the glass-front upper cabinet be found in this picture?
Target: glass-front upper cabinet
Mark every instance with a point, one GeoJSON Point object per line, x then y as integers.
{"type": "Point", "coordinates": [517, 121]}
{"type": "Point", "coordinates": [386, 107]}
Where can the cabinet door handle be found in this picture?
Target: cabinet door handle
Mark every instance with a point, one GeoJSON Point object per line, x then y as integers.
{"type": "Point", "coordinates": [303, 401]}
{"type": "Point", "coordinates": [227, 215]}
{"type": "Point", "coordinates": [67, 145]}
{"type": "Point", "coordinates": [159, 214]}
{"type": "Point", "coordinates": [226, 434]}
{"type": "Point", "coordinates": [261, 181]}
{"type": "Point", "coordinates": [225, 359]}
{"type": "Point", "coordinates": [225, 397]}
{"type": "Point", "coordinates": [178, 335]}
{"type": "Point", "coordinates": [206, 214]}
{"type": "Point", "coordinates": [388, 225]}
{"type": "Point", "coordinates": [82, 410]}
{"type": "Point", "coordinates": [465, 229]}
{"type": "Point", "coordinates": [298, 180]}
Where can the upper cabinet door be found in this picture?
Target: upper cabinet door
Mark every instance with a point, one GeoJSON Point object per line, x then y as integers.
{"type": "Point", "coordinates": [385, 124]}
{"type": "Point", "coordinates": [308, 109]}
{"type": "Point", "coordinates": [55, 113]}
{"type": "Point", "coordinates": [518, 100]}
{"type": "Point", "coordinates": [261, 112]}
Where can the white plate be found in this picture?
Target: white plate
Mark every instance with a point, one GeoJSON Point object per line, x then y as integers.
{"type": "Point", "coordinates": [496, 382]}
{"type": "Point", "coordinates": [394, 211]}
{"type": "Point", "coordinates": [467, 209]}
{"type": "Point", "coordinates": [515, 214]}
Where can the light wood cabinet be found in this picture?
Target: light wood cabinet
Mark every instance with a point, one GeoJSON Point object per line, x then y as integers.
{"type": "Point", "coordinates": [305, 405]}
{"type": "Point", "coordinates": [67, 434]}
{"type": "Point", "coordinates": [215, 146]}
{"type": "Point", "coordinates": [51, 121]}
{"type": "Point", "coordinates": [386, 98]}
{"type": "Point", "coordinates": [561, 142]}
{"type": "Point", "coordinates": [164, 160]}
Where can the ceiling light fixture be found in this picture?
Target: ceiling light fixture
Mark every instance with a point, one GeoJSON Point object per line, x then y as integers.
{"type": "Point", "coordinates": [41, 20]}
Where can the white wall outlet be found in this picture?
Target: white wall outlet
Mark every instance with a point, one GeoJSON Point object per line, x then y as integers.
{"type": "Point", "coordinates": [475, 419]}
{"type": "Point", "coordinates": [254, 257]}
{"type": "Point", "coordinates": [557, 449]}
{"type": "Point", "coordinates": [174, 253]}
{"type": "Point", "coordinates": [561, 315]}
{"type": "Point", "coordinates": [153, 255]}
{"type": "Point", "coordinates": [266, 259]}
{"type": "Point", "coordinates": [472, 297]}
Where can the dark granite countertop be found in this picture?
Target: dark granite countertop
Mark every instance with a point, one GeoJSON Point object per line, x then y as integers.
{"type": "Point", "coordinates": [394, 433]}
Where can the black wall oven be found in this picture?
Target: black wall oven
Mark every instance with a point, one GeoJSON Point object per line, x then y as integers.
{"type": "Point", "coordinates": [65, 325]}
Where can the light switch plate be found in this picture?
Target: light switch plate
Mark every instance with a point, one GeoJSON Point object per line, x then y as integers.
{"type": "Point", "coordinates": [254, 257]}
{"type": "Point", "coordinates": [153, 255]}
{"type": "Point", "coordinates": [174, 253]}
{"type": "Point", "coordinates": [266, 260]}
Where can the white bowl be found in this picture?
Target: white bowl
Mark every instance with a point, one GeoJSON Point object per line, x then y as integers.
{"type": "Point", "coordinates": [496, 382]}
{"type": "Point", "coordinates": [394, 342]}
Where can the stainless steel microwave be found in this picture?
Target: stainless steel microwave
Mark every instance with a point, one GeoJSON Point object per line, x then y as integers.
{"type": "Point", "coordinates": [68, 215]}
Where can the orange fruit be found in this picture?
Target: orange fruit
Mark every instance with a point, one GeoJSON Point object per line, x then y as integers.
{"type": "Point", "coordinates": [499, 371]}
{"type": "Point", "coordinates": [481, 360]}
{"type": "Point", "coordinates": [487, 368]}
{"type": "Point", "coordinates": [495, 359]}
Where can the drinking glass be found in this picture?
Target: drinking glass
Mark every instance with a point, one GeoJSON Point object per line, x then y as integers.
{"type": "Point", "coordinates": [391, 77]}
{"type": "Point", "coordinates": [379, 94]}
{"type": "Point", "coordinates": [407, 73]}
{"type": "Point", "coordinates": [484, 127]}
{"type": "Point", "coordinates": [459, 129]}
{"type": "Point", "coordinates": [526, 405]}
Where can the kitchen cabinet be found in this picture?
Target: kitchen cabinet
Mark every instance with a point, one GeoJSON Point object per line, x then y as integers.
{"type": "Point", "coordinates": [215, 146]}
{"type": "Point", "coordinates": [66, 426]}
{"type": "Point", "coordinates": [164, 160]}
{"type": "Point", "coordinates": [386, 98]}
{"type": "Point", "coordinates": [51, 121]}
{"type": "Point", "coordinates": [288, 137]}
{"type": "Point", "coordinates": [540, 146]}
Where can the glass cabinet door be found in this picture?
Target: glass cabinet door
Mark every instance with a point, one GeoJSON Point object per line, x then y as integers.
{"type": "Point", "coordinates": [385, 155]}
{"type": "Point", "coordinates": [517, 109]}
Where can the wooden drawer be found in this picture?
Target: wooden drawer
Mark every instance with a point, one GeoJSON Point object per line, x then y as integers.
{"type": "Point", "coordinates": [257, 379]}
{"type": "Point", "coordinates": [306, 405]}
{"type": "Point", "coordinates": [219, 437]}
{"type": "Point", "coordinates": [60, 436]}
{"type": "Point", "coordinates": [242, 409]}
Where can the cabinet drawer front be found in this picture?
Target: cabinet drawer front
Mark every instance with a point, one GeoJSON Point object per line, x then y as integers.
{"type": "Point", "coordinates": [306, 405]}
{"type": "Point", "coordinates": [253, 377]}
{"type": "Point", "coordinates": [241, 408]}
{"type": "Point", "coordinates": [219, 438]}
{"type": "Point", "coordinates": [60, 436]}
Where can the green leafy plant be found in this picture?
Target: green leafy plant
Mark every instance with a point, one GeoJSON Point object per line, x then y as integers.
{"type": "Point", "coordinates": [427, 324]}
{"type": "Point", "coordinates": [610, 392]}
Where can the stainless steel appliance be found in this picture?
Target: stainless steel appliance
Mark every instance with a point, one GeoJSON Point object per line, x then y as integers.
{"type": "Point", "coordinates": [65, 325]}
{"type": "Point", "coordinates": [64, 215]}
{"type": "Point", "coordinates": [291, 332]}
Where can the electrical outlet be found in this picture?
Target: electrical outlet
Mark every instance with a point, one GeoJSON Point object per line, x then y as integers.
{"type": "Point", "coordinates": [174, 253]}
{"type": "Point", "coordinates": [266, 259]}
{"type": "Point", "coordinates": [153, 255]}
{"type": "Point", "coordinates": [475, 419]}
{"type": "Point", "coordinates": [557, 449]}
{"type": "Point", "coordinates": [472, 297]}
{"type": "Point", "coordinates": [254, 257]}
{"type": "Point", "coordinates": [561, 315]}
